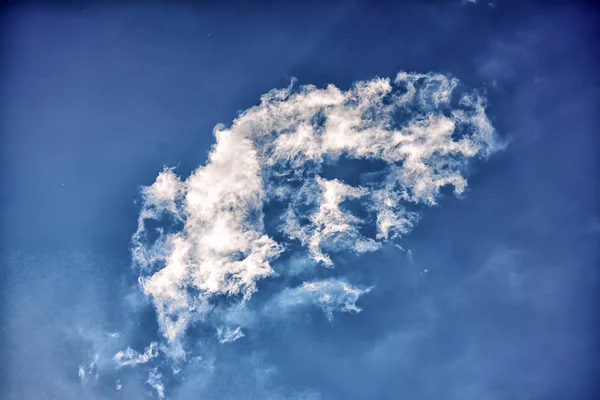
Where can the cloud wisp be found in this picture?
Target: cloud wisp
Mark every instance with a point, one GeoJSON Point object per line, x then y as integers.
{"type": "Point", "coordinates": [132, 357]}
{"type": "Point", "coordinates": [282, 161]}
{"type": "Point", "coordinates": [330, 295]}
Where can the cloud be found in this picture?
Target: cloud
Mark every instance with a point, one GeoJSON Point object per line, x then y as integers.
{"type": "Point", "coordinates": [328, 222]}
{"type": "Point", "coordinates": [228, 335]}
{"type": "Point", "coordinates": [281, 159]}
{"type": "Point", "coordinates": [92, 370]}
{"type": "Point", "coordinates": [330, 295]}
{"type": "Point", "coordinates": [132, 357]}
{"type": "Point", "coordinates": [155, 380]}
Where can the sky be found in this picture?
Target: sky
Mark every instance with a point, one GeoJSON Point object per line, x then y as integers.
{"type": "Point", "coordinates": [299, 200]}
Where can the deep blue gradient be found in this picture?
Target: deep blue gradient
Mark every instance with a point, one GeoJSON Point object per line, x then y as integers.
{"type": "Point", "coordinates": [498, 296]}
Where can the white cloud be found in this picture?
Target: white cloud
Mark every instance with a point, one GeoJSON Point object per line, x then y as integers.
{"type": "Point", "coordinates": [155, 380]}
{"type": "Point", "coordinates": [81, 372]}
{"type": "Point", "coordinates": [329, 222]}
{"type": "Point", "coordinates": [132, 357]}
{"type": "Point", "coordinates": [228, 335]}
{"type": "Point", "coordinates": [214, 241]}
{"type": "Point", "coordinates": [92, 369]}
{"type": "Point", "coordinates": [330, 295]}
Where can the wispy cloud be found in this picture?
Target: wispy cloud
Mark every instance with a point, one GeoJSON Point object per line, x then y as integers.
{"type": "Point", "coordinates": [330, 295]}
{"type": "Point", "coordinates": [328, 222]}
{"type": "Point", "coordinates": [91, 371]}
{"type": "Point", "coordinates": [214, 240]}
{"type": "Point", "coordinates": [132, 357]}
{"type": "Point", "coordinates": [227, 335]}
{"type": "Point", "coordinates": [155, 380]}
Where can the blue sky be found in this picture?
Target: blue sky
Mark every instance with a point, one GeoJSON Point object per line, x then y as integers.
{"type": "Point", "coordinates": [420, 223]}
